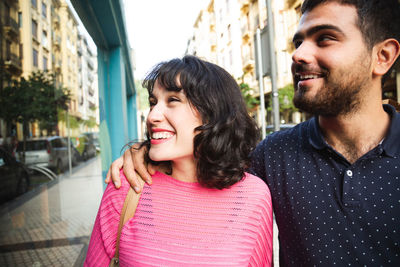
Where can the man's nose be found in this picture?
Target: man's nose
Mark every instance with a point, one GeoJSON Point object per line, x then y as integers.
{"type": "Point", "coordinates": [303, 53]}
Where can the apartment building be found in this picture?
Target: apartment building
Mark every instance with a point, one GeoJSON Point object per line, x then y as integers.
{"type": "Point", "coordinates": [10, 58]}
{"type": "Point", "coordinates": [224, 33]}
{"type": "Point", "coordinates": [87, 83]}
{"type": "Point", "coordinates": [10, 54]}
{"type": "Point", "coordinates": [40, 35]}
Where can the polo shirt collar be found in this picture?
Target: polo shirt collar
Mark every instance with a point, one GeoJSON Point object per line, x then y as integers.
{"type": "Point", "coordinates": [390, 144]}
{"type": "Point", "coordinates": [314, 134]}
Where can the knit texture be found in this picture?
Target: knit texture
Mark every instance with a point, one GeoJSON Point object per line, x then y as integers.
{"type": "Point", "coordinates": [183, 224]}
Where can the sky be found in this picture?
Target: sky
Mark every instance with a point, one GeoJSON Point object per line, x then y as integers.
{"type": "Point", "coordinates": [158, 30]}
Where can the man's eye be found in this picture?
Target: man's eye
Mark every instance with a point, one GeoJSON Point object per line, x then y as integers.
{"type": "Point", "coordinates": [297, 43]}
{"type": "Point", "coordinates": [325, 38]}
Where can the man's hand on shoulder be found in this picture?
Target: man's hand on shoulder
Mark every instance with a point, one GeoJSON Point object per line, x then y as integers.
{"type": "Point", "coordinates": [131, 161]}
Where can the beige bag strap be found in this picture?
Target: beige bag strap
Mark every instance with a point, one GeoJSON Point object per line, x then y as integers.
{"type": "Point", "coordinates": [128, 211]}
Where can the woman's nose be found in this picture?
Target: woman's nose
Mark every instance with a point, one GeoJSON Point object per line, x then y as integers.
{"type": "Point", "coordinates": [155, 114]}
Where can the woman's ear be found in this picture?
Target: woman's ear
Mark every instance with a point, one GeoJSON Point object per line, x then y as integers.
{"type": "Point", "coordinates": [386, 53]}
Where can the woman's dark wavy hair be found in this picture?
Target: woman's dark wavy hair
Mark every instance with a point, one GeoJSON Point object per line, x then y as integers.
{"type": "Point", "coordinates": [223, 144]}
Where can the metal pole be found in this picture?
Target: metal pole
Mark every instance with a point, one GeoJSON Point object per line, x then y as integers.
{"type": "Point", "coordinates": [275, 99]}
{"type": "Point", "coordinates": [261, 81]}
{"type": "Point", "coordinates": [69, 147]}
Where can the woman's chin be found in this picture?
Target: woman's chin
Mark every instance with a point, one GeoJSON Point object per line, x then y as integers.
{"type": "Point", "coordinates": [156, 156]}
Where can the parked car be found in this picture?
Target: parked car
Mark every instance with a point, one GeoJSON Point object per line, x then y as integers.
{"type": "Point", "coordinates": [86, 147]}
{"type": "Point", "coordinates": [94, 137]}
{"type": "Point", "coordinates": [50, 152]}
{"type": "Point", "coordinates": [14, 177]}
{"type": "Point", "coordinates": [75, 156]}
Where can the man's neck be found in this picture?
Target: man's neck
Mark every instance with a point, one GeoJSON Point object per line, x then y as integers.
{"type": "Point", "coordinates": [356, 134]}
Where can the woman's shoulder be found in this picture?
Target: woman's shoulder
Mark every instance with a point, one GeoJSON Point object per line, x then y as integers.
{"type": "Point", "coordinates": [255, 182]}
{"type": "Point", "coordinates": [113, 199]}
{"type": "Point", "coordinates": [253, 186]}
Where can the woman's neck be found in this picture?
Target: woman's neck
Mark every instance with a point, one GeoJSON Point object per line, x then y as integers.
{"type": "Point", "coordinates": [184, 170]}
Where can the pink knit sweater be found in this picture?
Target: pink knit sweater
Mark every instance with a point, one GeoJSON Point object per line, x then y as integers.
{"type": "Point", "coordinates": [183, 224]}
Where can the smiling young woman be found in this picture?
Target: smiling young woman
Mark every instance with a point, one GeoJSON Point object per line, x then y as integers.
{"type": "Point", "coordinates": [207, 210]}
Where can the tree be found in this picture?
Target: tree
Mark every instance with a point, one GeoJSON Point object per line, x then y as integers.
{"type": "Point", "coordinates": [247, 93]}
{"type": "Point", "coordinates": [286, 106]}
{"type": "Point", "coordinates": [33, 99]}
{"type": "Point", "coordinates": [142, 95]}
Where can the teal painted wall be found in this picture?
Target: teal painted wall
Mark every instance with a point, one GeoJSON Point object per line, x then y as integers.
{"type": "Point", "coordinates": [117, 111]}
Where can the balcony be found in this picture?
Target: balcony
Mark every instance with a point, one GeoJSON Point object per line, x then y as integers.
{"type": "Point", "coordinates": [79, 49]}
{"type": "Point", "coordinates": [55, 20]}
{"type": "Point", "coordinates": [91, 90]}
{"type": "Point", "coordinates": [290, 3]}
{"type": "Point", "coordinates": [90, 76]}
{"type": "Point", "coordinates": [246, 35]}
{"type": "Point", "coordinates": [248, 63]}
{"type": "Point", "coordinates": [56, 42]}
{"type": "Point", "coordinates": [12, 2]}
{"type": "Point", "coordinates": [13, 64]}
{"type": "Point", "coordinates": [90, 63]}
{"type": "Point", "coordinates": [244, 6]}
{"type": "Point", "coordinates": [11, 28]}
{"type": "Point", "coordinates": [57, 65]}
{"type": "Point", "coordinates": [92, 105]}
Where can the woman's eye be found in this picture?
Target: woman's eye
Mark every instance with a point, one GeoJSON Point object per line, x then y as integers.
{"type": "Point", "coordinates": [173, 99]}
{"type": "Point", "coordinates": [152, 103]}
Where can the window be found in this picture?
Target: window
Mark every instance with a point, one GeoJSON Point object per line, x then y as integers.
{"type": "Point", "coordinates": [44, 10]}
{"type": "Point", "coordinates": [34, 29]}
{"type": "Point", "coordinates": [44, 38]}
{"type": "Point", "coordinates": [21, 49]}
{"type": "Point", "coordinates": [35, 58]}
{"type": "Point", "coordinates": [44, 63]}
{"type": "Point", "coordinates": [20, 19]}
{"type": "Point", "coordinates": [8, 50]}
{"type": "Point", "coordinates": [34, 3]}
{"type": "Point", "coordinates": [7, 13]}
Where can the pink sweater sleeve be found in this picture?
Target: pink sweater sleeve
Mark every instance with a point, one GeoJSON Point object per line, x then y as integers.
{"type": "Point", "coordinates": [262, 253]}
{"type": "Point", "coordinates": [103, 239]}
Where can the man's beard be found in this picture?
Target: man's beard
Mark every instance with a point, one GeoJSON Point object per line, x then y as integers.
{"type": "Point", "coordinates": [340, 95]}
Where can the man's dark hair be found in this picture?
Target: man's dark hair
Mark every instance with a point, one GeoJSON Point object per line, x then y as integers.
{"type": "Point", "coordinates": [377, 20]}
{"type": "Point", "coordinates": [228, 134]}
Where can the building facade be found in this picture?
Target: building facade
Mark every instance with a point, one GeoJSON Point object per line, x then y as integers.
{"type": "Point", "coordinates": [10, 50]}
{"type": "Point", "coordinates": [43, 35]}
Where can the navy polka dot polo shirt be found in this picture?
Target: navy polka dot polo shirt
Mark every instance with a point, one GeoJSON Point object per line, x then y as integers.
{"type": "Point", "coordinates": [330, 212]}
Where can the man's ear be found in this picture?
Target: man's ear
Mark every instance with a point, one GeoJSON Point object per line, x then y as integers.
{"type": "Point", "coordinates": [386, 53]}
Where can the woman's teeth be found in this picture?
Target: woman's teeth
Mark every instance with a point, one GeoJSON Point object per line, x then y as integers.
{"type": "Point", "coordinates": [161, 135]}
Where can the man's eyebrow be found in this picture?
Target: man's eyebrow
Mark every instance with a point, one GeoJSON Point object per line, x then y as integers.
{"type": "Point", "coordinates": [316, 29]}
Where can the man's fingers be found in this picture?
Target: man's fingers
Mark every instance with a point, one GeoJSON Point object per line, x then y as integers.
{"type": "Point", "coordinates": [143, 173]}
{"type": "Point", "coordinates": [129, 171]}
{"type": "Point", "coordinates": [108, 176]}
{"type": "Point", "coordinates": [115, 169]}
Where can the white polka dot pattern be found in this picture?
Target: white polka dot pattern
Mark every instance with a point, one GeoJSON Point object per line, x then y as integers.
{"type": "Point", "coordinates": [328, 211]}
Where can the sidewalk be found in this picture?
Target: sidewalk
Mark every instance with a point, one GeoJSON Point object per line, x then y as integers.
{"type": "Point", "coordinates": [51, 225]}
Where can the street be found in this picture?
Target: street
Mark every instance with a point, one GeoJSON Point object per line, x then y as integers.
{"type": "Point", "coordinates": [51, 225]}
